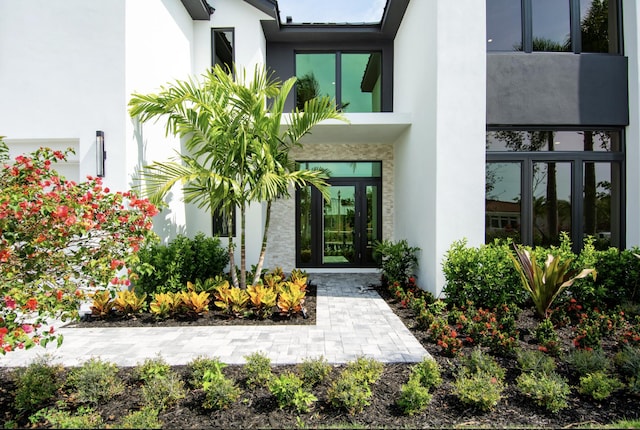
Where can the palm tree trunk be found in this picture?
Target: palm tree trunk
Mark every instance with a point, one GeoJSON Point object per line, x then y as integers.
{"type": "Point", "coordinates": [243, 256]}
{"type": "Point", "coordinates": [263, 250]}
{"type": "Point", "coordinates": [232, 258]}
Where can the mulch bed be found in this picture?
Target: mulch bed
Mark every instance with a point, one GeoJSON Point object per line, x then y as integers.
{"type": "Point", "coordinates": [257, 408]}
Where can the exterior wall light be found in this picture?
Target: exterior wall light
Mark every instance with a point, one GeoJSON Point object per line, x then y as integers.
{"type": "Point", "coordinates": [101, 154]}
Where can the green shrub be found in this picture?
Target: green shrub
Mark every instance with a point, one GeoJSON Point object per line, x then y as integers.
{"type": "Point", "coordinates": [599, 385]}
{"type": "Point", "coordinates": [583, 361]}
{"type": "Point", "coordinates": [396, 260]}
{"type": "Point", "coordinates": [548, 390]}
{"type": "Point", "coordinates": [258, 369]}
{"type": "Point", "coordinates": [366, 369]}
{"type": "Point", "coordinates": [161, 392]}
{"type": "Point", "coordinates": [534, 361]}
{"type": "Point", "coordinates": [618, 281]}
{"type": "Point", "coordinates": [152, 368]}
{"type": "Point", "coordinates": [349, 392]}
{"type": "Point", "coordinates": [485, 276]}
{"type": "Point", "coordinates": [288, 391]}
{"type": "Point", "coordinates": [94, 381]}
{"type": "Point", "coordinates": [547, 337]}
{"type": "Point", "coordinates": [36, 385]}
{"type": "Point", "coordinates": [314, 370]}
{"type": "Point", "coordinates": [220, 392]}
{"type": "Point", "coordinates": [426, 373]}
{"type": "Point", "coordinates": [414, 397]}
{"type": "Point", "coordinates": [145, 418]}
{"type": "Point", "coordinates": [480, 389]}
{"type": "Point", "coordinates": [481, 362]}
{"type": "Point", "coordinates": [199, 365]}
{"type": "Point", "coordinates": [164, 268]}
{"type": "Point", "coordinates": [83, 418]}
{"type": "Point", "coordinates": [628, 361]}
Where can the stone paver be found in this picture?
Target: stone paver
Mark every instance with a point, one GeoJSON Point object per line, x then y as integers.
{"type": "Point", "coordinates": [351, 320]}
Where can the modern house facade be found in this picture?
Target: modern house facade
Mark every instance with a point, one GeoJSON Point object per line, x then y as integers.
{"type": "Point", "coordinates": [470, 119]}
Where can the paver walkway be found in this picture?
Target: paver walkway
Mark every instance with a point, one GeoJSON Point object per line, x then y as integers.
{"type": "Point", "coordinates": [350, 321]}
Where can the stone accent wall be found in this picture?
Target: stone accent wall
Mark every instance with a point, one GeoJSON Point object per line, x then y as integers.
{"type": "Point", "coordinates": [281, 249]}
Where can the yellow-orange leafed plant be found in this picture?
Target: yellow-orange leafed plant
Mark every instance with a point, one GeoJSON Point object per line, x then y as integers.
{"type": "Point", "coordinates": [231, 300]}
{"type": "Point", "coordinates": [128, 302]}
{"type": "Point", "coordinates": [262, 299]}
{"type": "Point", "coordinates": [102, 303]}
{"type": "Point", "coordinates": [192, 303]}
{"type": "Point", "coordinates": [291, 298]}
{"type": "Point", "coordinates": [163, 305]}
{"type": "Point", "coordinates": [545, 283]}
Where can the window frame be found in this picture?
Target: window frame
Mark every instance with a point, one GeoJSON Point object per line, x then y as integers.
{"type": "Point", "coordinates": [338, 71]}
{"type": "Point", "coordinates": [577, 160]}
{"type": "Point", "coordinates": [215, 30]}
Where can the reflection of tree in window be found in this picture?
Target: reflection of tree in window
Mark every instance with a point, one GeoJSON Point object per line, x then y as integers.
{"type": "Point", "coordinates": [594, 27]}
{"type": "Point", "coordinates": [307, 88]}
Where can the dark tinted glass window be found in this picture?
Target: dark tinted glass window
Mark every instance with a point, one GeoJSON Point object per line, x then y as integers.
{"type": "Point", "coordinates": [551, 25]}
{"type": "Point", "coordinates": [594, 26]}
{"type": "Point", "coordinates": [223, 48]}
{"type": "Point", "coordinates": [504, 25]}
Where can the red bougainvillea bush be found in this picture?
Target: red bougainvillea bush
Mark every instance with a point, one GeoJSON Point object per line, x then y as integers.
{"type": "Point", "coordinates": [58, 238]}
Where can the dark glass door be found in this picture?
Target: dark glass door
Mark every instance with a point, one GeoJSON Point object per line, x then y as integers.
{"type": "Point", "coordinates": [340, 231]}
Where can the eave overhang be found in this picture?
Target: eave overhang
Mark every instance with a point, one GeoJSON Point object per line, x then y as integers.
{"type": "Point", "coordinates": [199, 10]}
{"type": "Point", "coordinates": [386, 29]}
{"type": "Point", "coordinates": [369, 128]}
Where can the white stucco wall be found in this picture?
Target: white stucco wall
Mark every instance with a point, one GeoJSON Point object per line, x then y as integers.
{"type": "Point", "coordinates": [159, 49]}
{"type": "Point", "coordinates": [440, 160]}
{"type": "Point", "coordinates": [62, 73]}
{"type": "Point", "coordinates": [631, 17]}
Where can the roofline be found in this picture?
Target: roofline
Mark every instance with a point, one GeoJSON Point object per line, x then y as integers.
{"type": "Point", "coordinates": [270, 7]}
{"type": "Point", "coordinates": [199, 10]}
{"type": "Point", "coordinates": [275, 31]}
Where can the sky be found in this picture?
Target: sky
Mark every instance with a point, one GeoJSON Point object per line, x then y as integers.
{"type": "Point", "coordinates": [337, 11]}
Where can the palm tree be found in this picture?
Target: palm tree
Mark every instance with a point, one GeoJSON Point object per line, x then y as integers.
{"type": "Point", "coordinates": [237, 153]}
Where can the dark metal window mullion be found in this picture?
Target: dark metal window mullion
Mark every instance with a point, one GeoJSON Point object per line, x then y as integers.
{"type": "Point", "coordinates": [526, 197]}
{"type": "Point", "coordinates": [576, 31]}
{"type": "Point", "coordinates": [339, 79]}
{"type": "Point", "coordinates": [527, 26]}
{"type": "Point", "coordinates": [577, 204]}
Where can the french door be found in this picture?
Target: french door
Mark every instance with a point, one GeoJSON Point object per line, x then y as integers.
{"type": "Point", "coordinates": [339, 231]}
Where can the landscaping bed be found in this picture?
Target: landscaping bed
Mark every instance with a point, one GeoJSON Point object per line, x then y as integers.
{"type": "Point", "coordinates": [258, 408]}
{"type": "Point", "coordinates": [213, 317]}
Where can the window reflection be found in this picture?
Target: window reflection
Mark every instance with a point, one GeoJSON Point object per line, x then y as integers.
{"type": "Point", "coordinates": [551, 25]}
{"type": "Point", "coordinates": [594, 26]}
{"type": "Point", "coordinates": [546, 140]}
{"type": "Point", "coordinates": [316, 77]}
{"type": "Point", "coordinates": [360, 82]}
{"type": "Point", "coordinates": [357, 87]}
{"type": "Point", "coordinates": [223, 48]}
{"type": "Point", "coordinates": [551, 202]}
{"type": "Point", "coordinates": [601, 202]}
{"type": "Point", "coordinates": [504, 25]}
{"type": "Point", "coordinates": [502, 204]}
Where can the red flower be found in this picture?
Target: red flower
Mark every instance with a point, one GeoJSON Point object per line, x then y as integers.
{"type": "Point", "coordinates": [32, 304]}
{"type": "Point", "coordinates": [28, 328]}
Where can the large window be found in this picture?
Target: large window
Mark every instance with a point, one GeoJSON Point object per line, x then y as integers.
{"type": "Point", "coordinates": [353, 79]}
{"type": "Point", "coordinates": [553, 25]}
{"type": "Point", "coordinates": [540, 183]}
